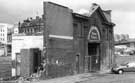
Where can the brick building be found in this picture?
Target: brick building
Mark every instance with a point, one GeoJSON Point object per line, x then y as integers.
{"type": "Point", "coordinates": [31, 26]}
{"type": "Point", "coordinates": [77, 43]}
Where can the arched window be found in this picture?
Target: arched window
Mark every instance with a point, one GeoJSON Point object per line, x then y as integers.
{"type": "Point", "coordinates": [94, 34]}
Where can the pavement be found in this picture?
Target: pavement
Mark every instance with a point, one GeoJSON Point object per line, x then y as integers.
{"type": "Point", "coordinates": [127, 77]}
{"type": "Point", "coordinates": [72, 79]}
{"type": "Point", "coordinates": [77, 78]}
{"type": "Point", "coordinates": [67, 79]}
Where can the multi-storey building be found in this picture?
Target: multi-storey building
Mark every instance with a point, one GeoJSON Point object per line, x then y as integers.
{"type": "Point", "coordinates": [5, 32]}
{"type": "Point", "coordinates": [6, 37]}
{"type": "Point", "coordinates": [31, 26]}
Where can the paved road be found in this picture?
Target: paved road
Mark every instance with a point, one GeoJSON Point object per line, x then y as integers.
{"type": "Point", "coordinates": [128, 77]}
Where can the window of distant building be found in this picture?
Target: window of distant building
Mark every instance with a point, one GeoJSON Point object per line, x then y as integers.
{"type": "Point", "coordinates": [30, 30]}
{"type": "Point", "coordinates": [40, 29]}
{"type": "Point", "coordinates": [33, 30]}
{"type": "Point", "coordinates": [25, 30]}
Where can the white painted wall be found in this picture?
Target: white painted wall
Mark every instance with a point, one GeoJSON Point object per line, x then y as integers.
{"type": "Point", "coordinates": [2, 51]}
{"type": "Point", "coordinates": [24, 42]}
{"type": "Point", "coordinates": [16, 30]}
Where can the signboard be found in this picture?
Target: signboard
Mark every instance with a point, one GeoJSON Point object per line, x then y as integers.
{"type": "Point", "coordinates": [94, 34]}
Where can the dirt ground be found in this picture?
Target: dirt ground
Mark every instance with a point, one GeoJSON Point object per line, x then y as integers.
{"type": "Point", "coordinates": [5, 67]}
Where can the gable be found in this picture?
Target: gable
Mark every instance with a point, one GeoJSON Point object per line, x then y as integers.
{"type": "Point", "coordinates": [103, 15]}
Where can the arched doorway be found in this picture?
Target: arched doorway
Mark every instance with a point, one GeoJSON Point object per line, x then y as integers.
{"type": "Point", "coordinates": [94, 49]}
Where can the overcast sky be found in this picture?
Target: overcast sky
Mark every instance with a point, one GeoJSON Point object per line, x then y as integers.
{"type": "Point", "coordinates": [123, 11]}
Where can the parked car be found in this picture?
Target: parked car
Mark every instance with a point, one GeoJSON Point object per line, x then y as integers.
{"type": "Point", "coordinates": [128, 67]}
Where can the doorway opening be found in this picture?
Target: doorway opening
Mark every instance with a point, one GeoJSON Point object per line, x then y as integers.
{"type": "Point", "coordinates": [94, 57]}
{"type": "Point", "coordinates": [77, 63]}
{"type": "Point", "coordinates": [36, 59]}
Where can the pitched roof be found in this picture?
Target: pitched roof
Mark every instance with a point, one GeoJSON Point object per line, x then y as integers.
{"type": "Point", "coordinates": [93, 8]}
{"type": "Point", "coordinates": [105, 14]}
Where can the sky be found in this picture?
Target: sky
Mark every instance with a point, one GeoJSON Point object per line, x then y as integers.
{"type": "Point", "coordinates": [123, 11]}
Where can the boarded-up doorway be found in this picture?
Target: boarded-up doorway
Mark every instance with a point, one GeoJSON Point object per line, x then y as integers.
{"type": "Point", "coordinates": [36, 59]}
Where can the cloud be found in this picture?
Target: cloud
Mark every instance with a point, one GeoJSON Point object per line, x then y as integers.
{"type": "Point", "coordinates": [123, 14]}
{"type": "Point", "coordinates": [124, 22]}
{"type": "Point", "coordinates": [83, 11]}
{"type": "Point", "coordinates": [18, 10]}
{"type": "Point", "coordinates": [121, 6]}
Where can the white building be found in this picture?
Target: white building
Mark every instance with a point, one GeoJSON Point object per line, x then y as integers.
{"type": "Point", "coordinates": [5, 38]}
{"type": "Point", "coordinates": [23, 42]}
{"type": "Point", "coordinates": [16, 30]}
{"type": "Point", "coordinates": [5, 29]}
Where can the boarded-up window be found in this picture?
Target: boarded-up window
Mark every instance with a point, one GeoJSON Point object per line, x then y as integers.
{"type": "Point", "coordinates": [75, 27]}
{"type": "Point", "coordinates": [110, 35]}
{"type": "Point", "coordinates": [85, 33]}
{"type": "Point", "coordinates": [104, 34]}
